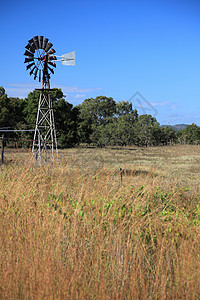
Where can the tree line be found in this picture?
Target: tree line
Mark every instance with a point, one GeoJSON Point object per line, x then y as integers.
{"type": "Point", "coordinates": [100, 122]}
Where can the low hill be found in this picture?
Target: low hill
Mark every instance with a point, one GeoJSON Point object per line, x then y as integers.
{"type": "Point", "coordinates": [176, 127]}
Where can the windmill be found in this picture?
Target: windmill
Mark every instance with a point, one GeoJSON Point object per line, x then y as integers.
{"type": "Point", "coordinates": [40, 60]}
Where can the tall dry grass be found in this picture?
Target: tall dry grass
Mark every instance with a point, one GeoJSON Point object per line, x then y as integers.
{"type": "Point", "coordinates": [80, 234]}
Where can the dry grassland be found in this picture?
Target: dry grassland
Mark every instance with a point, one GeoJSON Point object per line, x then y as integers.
{"type": "Point", "coordinates": [101, 224]}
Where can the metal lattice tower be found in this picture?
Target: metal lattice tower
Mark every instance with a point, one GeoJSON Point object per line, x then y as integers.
{"type": "Point", "coordinates": [45, 133]}
{"type": "Point", "coordinates": [40, 55]}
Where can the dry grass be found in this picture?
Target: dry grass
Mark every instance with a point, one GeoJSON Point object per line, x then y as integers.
{"type": "Point", "coordinates": [75, 230]}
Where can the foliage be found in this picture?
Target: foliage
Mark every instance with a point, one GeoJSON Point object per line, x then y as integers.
{"type": "Point", "coordinates": [21, 114]}
{"type": "Point", "coordinates": [148, 131]}
{"type": "Point", "coordinates": [190, 135]}
{"type": "Point", "coordinates": [66, 123]}
{"type": "Point", "coordinates": [10, 110]}
{"type": "Point", "coordinates": [94, 113]}
{"type": "Point", "coordinates": [168, 135]}
{"type": "Point", "coordinates": [100, 121]}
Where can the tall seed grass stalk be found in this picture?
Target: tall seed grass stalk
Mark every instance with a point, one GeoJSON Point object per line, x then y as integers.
{"type": "Point", "coordinates": [78, 234]}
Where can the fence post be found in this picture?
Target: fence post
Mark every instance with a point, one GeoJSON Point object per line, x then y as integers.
{"type": "Point", "coordinates": [2, 150]}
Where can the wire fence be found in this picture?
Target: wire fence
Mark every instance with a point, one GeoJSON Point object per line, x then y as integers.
{"type": "Point", "coordinates": [14, 142]}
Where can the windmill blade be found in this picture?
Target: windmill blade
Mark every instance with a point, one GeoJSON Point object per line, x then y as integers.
{"type": "Point", "coordinates": [52, 71]}
{"type": "Point", "coordinates": [28, 59]}
{"type": "Point", "coordinates": [32, 47]}
{"type": "Point", "coordinates": [52, 64]}
{"type": "Point", "coordinates": [31, 41]}
{"type": "Point", "coordinates": [35, 40]}
{"type": "Point", "coordinates": [29, 66]}
{"type": "Point", "coordinates": [69, 59]}
{"type": "Point", "coordinates": [48, 46]}
{"type": "Point", "coordinates": [28, 47]}
{"type": "Point", "coordinates": [45, 41]}
{"type": "Point", "coordinates": [40, 40]}
{"type": "Point", "coordinates": [35, 73]}
{"type": "Point", "coordinates": [52, 51]}
{"type": "Point", "coordinates": [53, 57]}
{"type": "Point", "coordinates": [39, 75]}
{"type": "Point", "coordinates": [31, 72]}
{"type": "Point", "coordinates": [27, 53]}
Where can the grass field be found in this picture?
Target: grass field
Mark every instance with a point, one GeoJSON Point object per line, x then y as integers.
{"type": "Point", "coordinates": [121, 223]}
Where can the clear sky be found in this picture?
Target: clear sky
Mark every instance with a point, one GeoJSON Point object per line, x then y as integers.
{"type": "Point", "coordinates": [146, 51]}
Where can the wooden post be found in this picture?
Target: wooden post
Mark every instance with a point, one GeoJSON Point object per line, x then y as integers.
{"type": "Point", "coordinates": [121, 174]}
{"type": "Point", "coordinates": [2, 150]}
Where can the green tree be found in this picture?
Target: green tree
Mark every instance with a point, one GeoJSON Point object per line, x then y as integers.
{"type": "Point", "coordinates": [66, 122]}
{"type": "Point", "coordinates": [11, 114]}
{"type": "Point", "coordinates": [168, 135]}
{"type": "Point", "coordinates": [123, 108]}
{"type": "Point", "coordinates": [6, 110]}
{"type": "Point", "coordinates": [11, 110]}
{"type": "Point", "coordinates": [189, 135]}
{"type": "Point", "coordinates": [94, 113]}
{"type": "Point", "coordinates": [121, 129]}
{"type": "Point", "coordinates": [147, 131]}
{"type": "Point", "coordinates": [31, 107]}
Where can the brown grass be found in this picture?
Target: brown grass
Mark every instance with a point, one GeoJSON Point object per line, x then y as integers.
{"type": "Point", "coordinates": [78, 230]}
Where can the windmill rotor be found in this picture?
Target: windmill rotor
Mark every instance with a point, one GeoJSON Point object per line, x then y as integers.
{"type": "Point", "coordinates": [29, 66]}
{"type": "Point", "coordinates": [52, 51]}
{"type": "Point", "coordinates": [31, 72]}
{"type": "Point", "coordinates": [52, 64]}
{"type": "Point", "coordinates": [35, 74]}
{"type": "Point", "coordinates": [53, 57]}
{"type": "Point", "coordinates": [45, 41]}
{"type": "Point", "coordinates": [50, 69]}
{"type": "Point", "coordinates": [28, 59]}
{"type": "Point", "coordinates": [27, 53]}
{"type": "Point", "coordinates": [30, 48]}
{"type": "Point", "coordinates": [39, 55]}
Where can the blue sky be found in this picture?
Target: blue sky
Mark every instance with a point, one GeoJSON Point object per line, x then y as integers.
{"type": "Point", "coordinates": [145, 51]}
